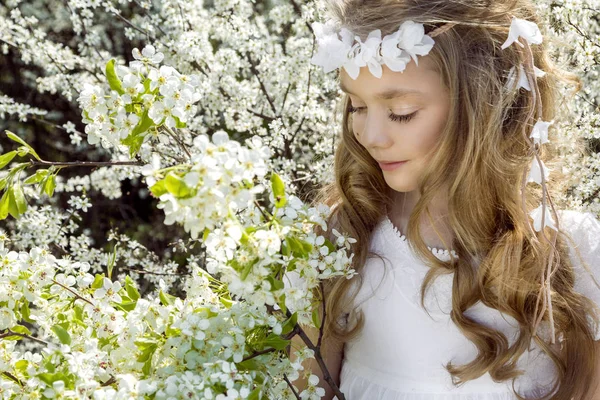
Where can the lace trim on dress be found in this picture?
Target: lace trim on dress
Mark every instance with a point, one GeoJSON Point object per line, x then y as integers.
{"type": "Point", "coordinates": [442, 254]}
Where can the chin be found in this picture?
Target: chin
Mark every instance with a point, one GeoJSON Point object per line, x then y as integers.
{"type": "Point", "coordinates": [400, 186]}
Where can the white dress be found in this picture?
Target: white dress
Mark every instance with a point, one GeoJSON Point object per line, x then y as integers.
{"type": "Point", "coordinates": [400, 353]}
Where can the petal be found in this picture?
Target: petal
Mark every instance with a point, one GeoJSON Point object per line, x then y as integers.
{"type": "Point", "coordinates": [136, 54]}
{"type": "Point", "coordinates": [538, 72]}
{"type": "Point", "coordinates": [158, 57]}
{"type": "Point", "coordinates": [535, 174]}
{"type": "Point", "coordinates": [148, 51]}
{"type": "Point", "coordinates": [352, 69]}
{"type": "Point", "coordinates": [375, 69]}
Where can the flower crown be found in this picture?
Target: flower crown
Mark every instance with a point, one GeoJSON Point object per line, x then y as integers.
{"type": "Point", "coordinates": [342, 48]}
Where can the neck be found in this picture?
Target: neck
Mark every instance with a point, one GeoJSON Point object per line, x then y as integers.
{"type": "Point", "coordinates": [402, 206]}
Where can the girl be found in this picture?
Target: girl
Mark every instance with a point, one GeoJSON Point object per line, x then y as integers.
{"type": "Point", "coordinates": [454, 297]}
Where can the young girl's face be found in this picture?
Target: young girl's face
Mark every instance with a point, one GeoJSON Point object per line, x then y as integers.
{"type": "Point", "coordinates": [402, 125]}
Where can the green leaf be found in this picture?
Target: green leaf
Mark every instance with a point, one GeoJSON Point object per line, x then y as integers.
{"type": "Point", "coordinates": [143, 124]}
{"type": "Point", "coordinates": [39, 175]}
{"type": "Point", "coordinates": [249, 365]}
{"type": "Point", "coordinates": [98, 281]}
{"type": "Point", "coordinates": [132, 291]}
{"type": "Point", "coordinates": [21, 141]}
{"type": "Point", "coordinates": [62, 334]}
{"type": "Point", "coordinates": [278, 190]}
{"type": "Point", "coordinates": [307, 247]}
{"type": "Point", "coordinates": [6, 158]}
{"type": "Point", "coordinates": [21, 366]}
{"type": "Point", "coordinates": [78, 312]}
{"type": "Point", "coordinates": [49, 378]}
{"type": "Point", "coordinates": [166, 299]}
{"type": "Point", "coordinates": [144, 342]}
{"type": "Point", "coordinates": [135, 139]}
{"type": "Point", "coordinates": [178, 123]}
{"type": "Point", "coordinates": [276, 341]}
{"type": "Point", "coordinates": [126, 305]}
{"type": "Point", "coordinates": [49, 185]}
{"type": "Point", "coordinates": [158, 189]}
{"type": "Point", "coordinates": [176, 186]}
{"type": "Point", "coordinates": [276, 284]}
{"type": "Point", "coordinates": [147, 82]}
{"type": "Point", "coordinates": [282, 304]}
{"type": "Point", "coordinates": [18, 329]}
{"type": "Point", "coordinates": [21, 329]}
{"type": "Point", "coordinates": [227, 303]}
{"type": "Point", "coordinates": [246, 270]}
{"type": "Point", "coordinates": [147, 367]}
{"type": "Point", "coordinates": [113, 79]}
{"type": "Point", "coordinates": [25, 314]}
{"type": "Point", "coordinates": [111, 262]}
{"type": "Point", "coordinates": [22, 151]}
{"type": "Point", "coordinates": [13, 208]}
{"type": "Point", "coordinates": [256, 394]}
{"type": "Point", "coordinates": [296, 246]}
{"type": "Point", "coordinates": [134, 143]}
{"type": "Point", "coordinates": [4, 201]}
{"type": "Point", "coordinates": [316, 318]}
{"type": "Point", "coordinates": [20, 199]}
{"type": "Point", "coordinates": [289, 324]}
{"type": "Point", "coordinates": [170, 332]}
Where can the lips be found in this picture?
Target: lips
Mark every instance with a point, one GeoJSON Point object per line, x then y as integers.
{"type": "Point", "coordinates": [390, 166]}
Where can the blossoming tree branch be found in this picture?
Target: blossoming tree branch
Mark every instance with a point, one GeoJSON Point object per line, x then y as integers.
{"type": "Point", "coordinates": [228, 336]}
{"type": "Point", "coordinates": [219, 117]}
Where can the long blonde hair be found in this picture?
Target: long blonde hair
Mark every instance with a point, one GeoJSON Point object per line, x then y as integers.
{"type": "Point", "coordinates": [482, 155]}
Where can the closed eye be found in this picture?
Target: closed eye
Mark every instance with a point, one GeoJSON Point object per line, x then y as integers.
{"type": "Point", "coordinates": [394, 117]}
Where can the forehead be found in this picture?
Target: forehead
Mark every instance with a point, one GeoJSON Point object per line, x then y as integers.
{"type": "Point", "coordinates": [422, 79]}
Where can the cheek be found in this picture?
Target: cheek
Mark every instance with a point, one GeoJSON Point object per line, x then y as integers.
{"type": "Point", "coordinates": [357, 126]}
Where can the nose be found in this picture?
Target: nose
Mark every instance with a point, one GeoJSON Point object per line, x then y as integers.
{"type": "Point", "coordinates": [376, 131]}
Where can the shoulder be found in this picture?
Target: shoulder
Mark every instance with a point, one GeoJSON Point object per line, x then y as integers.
{"type": "Point", "coordinates": [584, 230]}
{"type": "Point", "coordinates": [584, 225]}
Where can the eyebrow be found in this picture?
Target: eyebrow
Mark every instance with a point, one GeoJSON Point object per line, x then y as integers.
{"type": "Point", "coordinates": [388, 94]}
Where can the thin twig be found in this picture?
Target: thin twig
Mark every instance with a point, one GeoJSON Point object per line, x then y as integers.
{"type": "Point", "coordinates": [259, 353]}
{"type": "Point", "coordinates": [291, 387]}
{"type": "Point", "coordinates": [68, 164]}
{"type": "Point", "coordinates": [74, 293]}
{"type": "Point", "coordinates": [174, 136]}
{"type": "Point", "coordinates": [319, 358]}
{"type": "Point", "coordinates": [12, 377]}
{"type": "Point", "coordinates": [262, 85]}
{"type": "Point", "coordinates": [262, 211]}
{"type": "Point", "coordinates": [152, 273]}
{"type": "Point", "coordinates": [9, 333]}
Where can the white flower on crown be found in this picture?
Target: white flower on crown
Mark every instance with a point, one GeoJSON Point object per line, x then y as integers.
{"type": "Point", "coordinates": [535, 173]}
{"type": "Point", "coordinates": [350, 52]}
{"type": "Point", "coordinates": [522, 28]}
{"type": "Point", "coordinates": [332, 51]}
{"type": "Point", "coordinates": [539, 132]}
{"type": "Point", "coordinates": [410, 39]}
{"type": "Point", "coordinates": [523, 81]}
{"type": "Point", "coordinates": [537, 219]}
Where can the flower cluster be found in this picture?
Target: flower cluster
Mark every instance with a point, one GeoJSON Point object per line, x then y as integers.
{"type": "Point", "coordinates": [100, 340]}
{"type": "Point", "coordinates": [217, 181]}
{"type": "Point", "coordinates": [255, 261]}
{"type": "Point", "coordinates": [345, 49]}
{"type": "Point", "coordinates": [140, 97]}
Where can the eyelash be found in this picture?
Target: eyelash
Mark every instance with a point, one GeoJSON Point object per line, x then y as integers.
{"type": "Point", "coordinates": [393, 117]}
